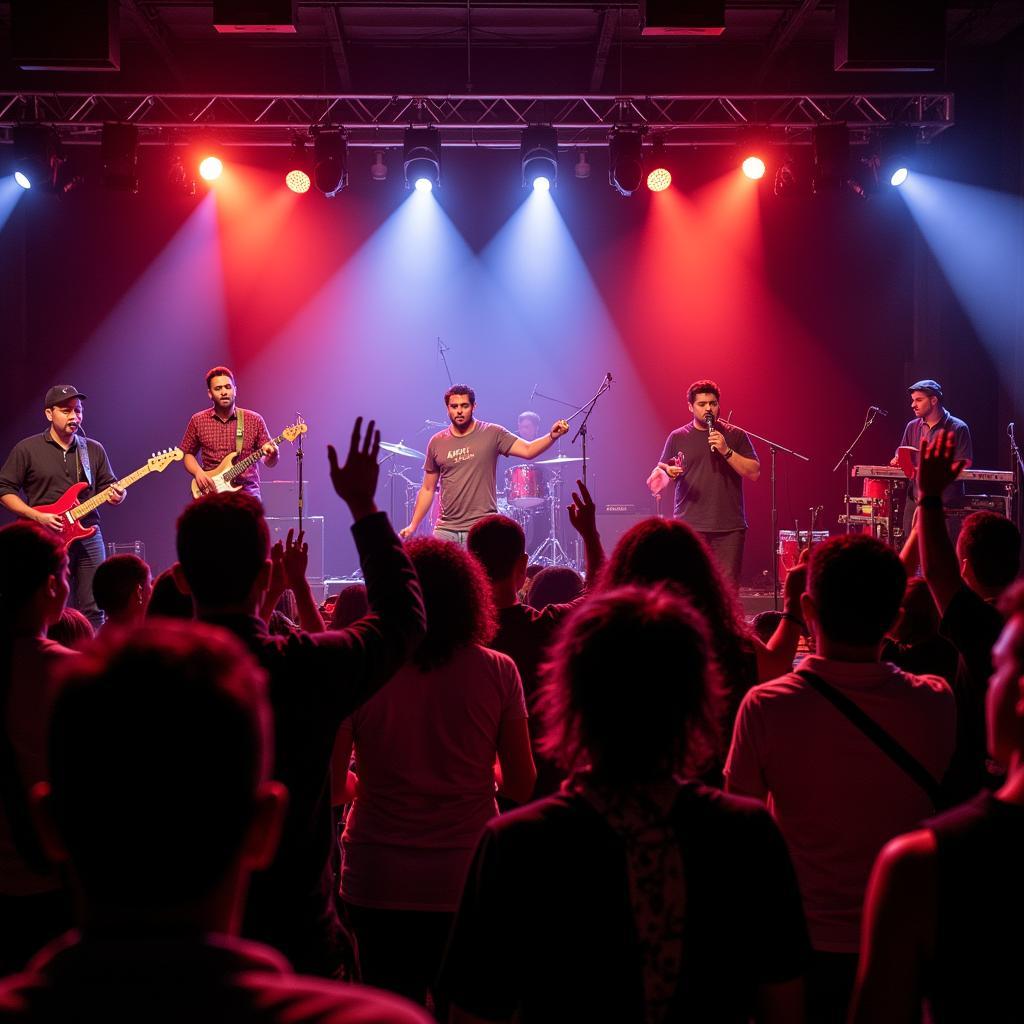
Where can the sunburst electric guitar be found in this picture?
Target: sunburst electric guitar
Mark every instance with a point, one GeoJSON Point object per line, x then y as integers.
{"type": "Point", "coordinates": [225, 475]}
{"type": "Point", "coordinates": [71, 511]}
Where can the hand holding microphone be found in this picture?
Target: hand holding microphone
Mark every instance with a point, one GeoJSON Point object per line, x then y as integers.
{"type": "Point", "coordinates": [716, 439]}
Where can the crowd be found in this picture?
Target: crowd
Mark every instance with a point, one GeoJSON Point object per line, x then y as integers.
{"type": "Point", "coordinates": [454, 795]}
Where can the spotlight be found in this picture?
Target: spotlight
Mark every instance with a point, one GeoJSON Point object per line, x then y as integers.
{"type": "Point", "coordinates": [660, 177]}
{"type": "Point", "coordinates": [297, 179]}
{"type": "Point", "coordinates": [119, 151]}
{"type": "Point", "coordinates": [378, 169]}
{"type": "Point", "coordinates": [754, 168]}
{"type": "Point", "coordinates": [896, 155]}
{"type": "Point", "coordinates": [210, 168]}
{"type": "Point", "coordinates": [541, 184]}
{"type": "Point", "coordinates": [539, 156]}
{"type": "Point", "coordinates": [37, 157]}
{"type": "Point", "coordinates": [626, 160]}
{"type": "Point", "coordinates": [582, 166]}
{"type": "Point", "coordinates": [421, 158]}
{"type": "Point", "coordinates": [330, 161]}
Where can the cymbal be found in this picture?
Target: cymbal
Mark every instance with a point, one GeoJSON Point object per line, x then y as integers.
{"type": "Point", "coordinates": [401, 449]}
{"type": "Point", "coordinates": [557, 461]}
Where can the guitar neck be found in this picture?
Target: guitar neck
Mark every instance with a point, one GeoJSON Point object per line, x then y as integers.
{"type": "Point", "coordinates": [249, 460]}
{"type": "Point", "coordinates": [98, 499]}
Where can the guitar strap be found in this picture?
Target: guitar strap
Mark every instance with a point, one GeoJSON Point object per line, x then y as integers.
{"type": "Point", "coordinates": [239, 430]}
{"type": "Point", "coordinates": [83, 455]}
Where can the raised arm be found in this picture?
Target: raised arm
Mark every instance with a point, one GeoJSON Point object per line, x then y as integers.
{"type": "Point", "coordinates": [583, 517]}
{"type": "Point", "coordinates": [531, 449]}
{"type": "Point", "coordinates": [424, 499]}
{"type": "Point", "coordinates": [937, 469]}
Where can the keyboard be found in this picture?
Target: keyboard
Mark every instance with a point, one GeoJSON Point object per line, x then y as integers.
{"type": "Point", "coordinates": [994, 476]}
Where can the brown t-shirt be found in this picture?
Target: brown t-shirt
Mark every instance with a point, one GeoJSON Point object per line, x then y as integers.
{"type": "Point", "coordinates": [466, 465]}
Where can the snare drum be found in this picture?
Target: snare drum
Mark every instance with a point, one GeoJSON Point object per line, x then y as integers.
{"type": "Point", "coordinates": [523, 487]}
{"type": "Point", "coordinates": [877, 494]}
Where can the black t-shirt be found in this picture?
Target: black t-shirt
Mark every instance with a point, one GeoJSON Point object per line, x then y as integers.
{"type": "Point", "coordinates": [709, 494]}
{"type": "Point", "coordinates": [545, 925]}
{"type": "Point", "coordinates": [979, 945]}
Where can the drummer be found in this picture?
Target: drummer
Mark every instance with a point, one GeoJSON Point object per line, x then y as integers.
{"type": "Point", "coordinates": [535, 513]}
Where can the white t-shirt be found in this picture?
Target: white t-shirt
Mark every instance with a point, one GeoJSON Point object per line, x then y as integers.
{"type": "Point", "coordinates": [836, 796]}
{"type": "Point", "coordinates": [425, 747]}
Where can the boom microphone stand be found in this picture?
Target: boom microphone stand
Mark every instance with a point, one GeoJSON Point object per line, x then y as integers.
{"type": "Point", "coordinates": [773, 448]}
{"type": "Point", "coordinates": [582, 429]}
{"type": "Point", "coordinates": [299, 455]}
{"type": "Point", "coordinates": [847, 458]}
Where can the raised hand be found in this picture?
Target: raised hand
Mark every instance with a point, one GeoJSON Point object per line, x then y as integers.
{"type": "Point", "coordinates": [559, 427]}
{"type": "Point", "coordinates": [939, 466]}
{"type": "Point", "coordinates": [295, 558]}
{"type": "Point", "coordinates": [278, 583]}
{"type": "Point", "coordinates": [356, 481]}
{"type": "Point", "coordinates": [583, 512]}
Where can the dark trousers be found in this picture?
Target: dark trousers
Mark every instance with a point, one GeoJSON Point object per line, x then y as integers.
{"type": "Point", "coordinates": [830, 986]}
{"type": "Point", "coordinates": [401, 950]}
{"type": "Point", "coordinates": [727, 549]}
{"type": "Point", "coordinates": [84, 556]}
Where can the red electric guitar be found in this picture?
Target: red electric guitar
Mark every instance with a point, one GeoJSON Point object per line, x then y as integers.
{"type": "Point", "coordinates": [68, 508]}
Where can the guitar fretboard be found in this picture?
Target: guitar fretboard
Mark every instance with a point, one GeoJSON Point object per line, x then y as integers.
{"type": "Point", "coordinates": [98, 499]}
{"type": "Point", "coordinates": [249, 460]}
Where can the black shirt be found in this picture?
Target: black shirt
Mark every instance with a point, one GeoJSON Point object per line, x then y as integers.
{"type": "Point", "coordinates": [43, 470]}
{"type": "Point", "coordinates": [546, 925]}
{"type": "Point", "coordinates": [917, 430]}
{"type": "Point", "coordinates": [709, 494]}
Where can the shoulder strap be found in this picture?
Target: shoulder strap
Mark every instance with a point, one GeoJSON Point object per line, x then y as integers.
{"type": "Point", "coordinates": [83, 455]}
{"type": "Point", "coordinates": [874, 732]}
{"type": "Point", "coordinates": [239, 429]}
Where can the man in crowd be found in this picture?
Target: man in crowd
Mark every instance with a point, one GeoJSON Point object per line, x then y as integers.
{"type": "Point", "coordinates": [122, 586]}
{"type": "Point", "coordinates": [43, 467]}
{"type": "Point", "coordinates": [708, 460]}
{"type": "Point", "coordinates": [214, 433]}
{"type": "Point", "coordinates": [316, 681]}
{"type": "Point", "coordinates": [159, 802]}
{"type": "Point", "coordinates": [802, 743]}
{"type": "Point", "coordinates": [462, 459]}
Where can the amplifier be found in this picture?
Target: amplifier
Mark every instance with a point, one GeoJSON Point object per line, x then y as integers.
{"type": "Point", "coordinates": [314, 527]}
{"type": "Point", "coordinates": [999, 503]}
{"type": "Point", "coordinates": [281, 498]}
{"type": "Point", "coordinates": [127, 547]}
{"type": "Point", "coordinates": [614, 520]}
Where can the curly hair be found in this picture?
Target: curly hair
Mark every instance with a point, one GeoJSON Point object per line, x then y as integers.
{"type": "Point", "coordinates": [702, 387]}
{"type": "Point", "coordinates": [460, 389]}
{"type": "Point", "coordinates": [631, 726]}
{"type": "Point", "coordinates": [668, 551]}
{"type": "Point", "coordinates": [457, 597]}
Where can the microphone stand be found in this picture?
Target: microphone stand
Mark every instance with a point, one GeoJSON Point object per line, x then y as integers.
{"type": "Point", "coordinates": [441, 349]}
{"type": "Point", "coordinates": [773, 447]}
{"type": "Point", "coordinates": [299, 455]}
{"type": "Point", "coordinates": [1018, 473]}
{"type": "Point", "coordinates": [847, 459]}
{"type": "Point", "coordinates": [581, 431]}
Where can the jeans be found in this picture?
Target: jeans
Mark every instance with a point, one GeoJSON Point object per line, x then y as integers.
{"type": "Point", "coordinates": [454, 536]}
{"type": "Point", "coordinates": [727, 550]}
{"type": "Point", "coordinates": [84, 556]}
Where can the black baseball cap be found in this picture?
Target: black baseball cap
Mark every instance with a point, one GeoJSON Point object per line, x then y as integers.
{"type": "Point", "coordinates": [929, 387]}
{"type": "Point", "coordinates": [61, 393]}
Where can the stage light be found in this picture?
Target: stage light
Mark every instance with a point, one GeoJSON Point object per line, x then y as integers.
{"type": "Point", "coordinates": [582, 165]}
{"type": "Point", "coordinates": [297, 179]}
{"type": "Point", "coordinates": [119, 151]}
{"type": "Point", "coordinates": [538, 155]}
{"type": "Point", "coordinates": [626, 160]}
{"type": "Point", "coordinates": [754, 168]}
{"type": "Point", "coordinates": [37, 157]}
{"type": "Point", "coordinates": [330, 161]}
{"type": "Point", "coordinates": [793, 174]}
{"type": "Point", "coordinates": [896, 155]}
{"type": "Point", "coordinates": [421, 158]}
{"type": "Point", "coordinates": [378, 169]}
{"type": "Point", "coordinates": [899, 176]}
{"type": "Point", "coordinates": [659, 178]}
{"type": "Point", "coordinates": [541, 184]}
{"type": "Point", "coordinates": [210, 168]}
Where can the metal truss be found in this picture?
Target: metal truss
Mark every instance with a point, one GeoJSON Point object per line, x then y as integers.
{"type": "Point", "coordinates": [257, 119]}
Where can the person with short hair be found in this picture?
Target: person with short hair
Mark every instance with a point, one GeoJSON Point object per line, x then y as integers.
{"type": "Point", "coordinates": [633, 894]}
{"type": "Point", "coordinates": [708, 459]}
{"type": "Point", "coordinates": [159, 801]}
{"type": "Point", "coordinates": [837, 796]}
{"type": "Point", "coordinates": [166, 599]}
{"type": "Point", "coordinates": [122, 586]}
{"type": "Point", "coordinates": [43, 467]}
{"type": "Point", "coordinates": [462, 459]}
{"type": "Point", "coordinates": [213, 435]}
{"type": "Point", "coordinates": [555, 584]}
{"type": "Point", "coordinates": [72, 629]}
{"type": "Point", "coordinates": [316, 681]}
{"type": "Point", "coordinates": [944, 905]}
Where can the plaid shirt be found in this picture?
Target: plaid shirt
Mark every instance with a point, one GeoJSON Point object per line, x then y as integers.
{"type": "Point", "coordinates": [213, 440]}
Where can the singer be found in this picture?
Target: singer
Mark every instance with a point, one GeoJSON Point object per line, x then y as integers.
{"type": "Point", "coordinates": [708, 460]}
{"type": "Point", "coordinates": [462, 460]}
{"type": "Point", "coordinates": [929, 417]}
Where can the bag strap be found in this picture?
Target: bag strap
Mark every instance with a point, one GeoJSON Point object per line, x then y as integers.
{"type": "Point", "coordinates": [239, 430]}
{"type": "Point", "coordinates": [874, 732]}
{"type": "Point", "coordinates": [83, 455]}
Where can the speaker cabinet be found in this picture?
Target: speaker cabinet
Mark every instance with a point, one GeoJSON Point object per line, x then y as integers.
{"type": "Point", "coordinates": [314, 527]}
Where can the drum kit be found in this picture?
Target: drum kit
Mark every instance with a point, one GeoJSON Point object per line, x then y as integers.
{"type": "Point", "coordinates": [522, 498]}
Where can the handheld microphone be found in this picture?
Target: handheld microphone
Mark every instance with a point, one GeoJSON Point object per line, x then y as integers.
{"type": "Point", "coordinates": [1010, 429]}
{"type": "Point", "coordinates": [608, 377]}
{"type": "Point", "coordinates": [881, 412]}
{"type": "Point", "coordinates": [534, 391]}
{"type": "Point", "coordinates": [709, 419]}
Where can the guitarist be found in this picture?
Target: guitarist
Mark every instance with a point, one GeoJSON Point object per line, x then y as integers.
{"type": "Point", "coordinates": [215, 433]}
{"type": "Point", "coordinates": [43, 467]}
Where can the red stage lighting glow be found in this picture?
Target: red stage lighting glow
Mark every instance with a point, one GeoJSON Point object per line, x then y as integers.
{"type": "Point", "coordinates": [659, 179]}
{"type": "Point", "coordinates": [753, 167]}
{"type": "Point", "coordinates": [297, 181]}
{"type": "Point", "coordinates": [210, 168]}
